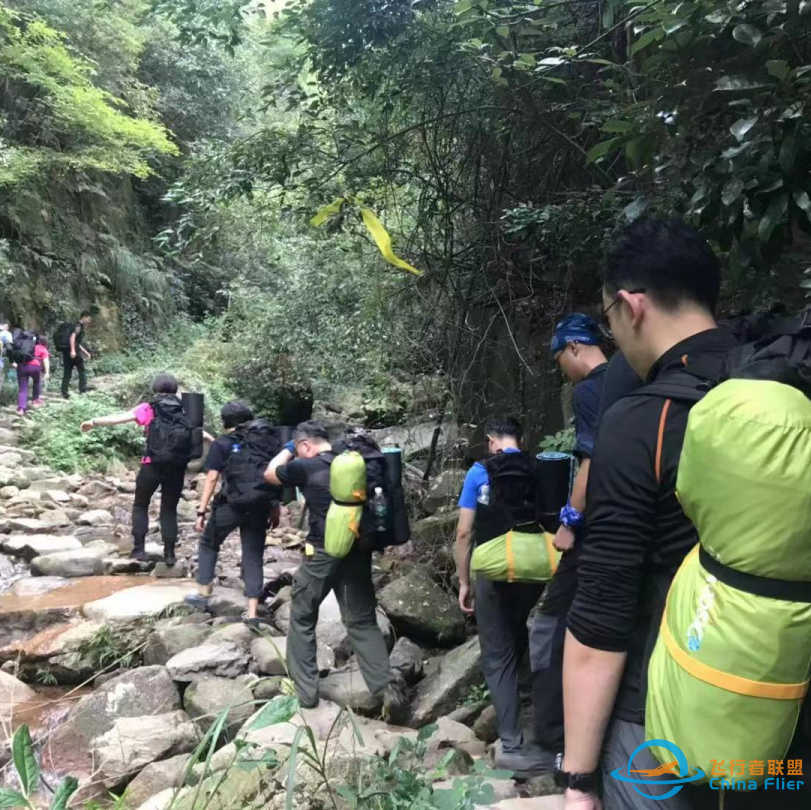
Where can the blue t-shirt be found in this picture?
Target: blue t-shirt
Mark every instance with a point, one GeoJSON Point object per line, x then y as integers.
{"type": "Point", "coordinates": [475, 479]}
{"type": "Point", "coordinates": [586, 405]}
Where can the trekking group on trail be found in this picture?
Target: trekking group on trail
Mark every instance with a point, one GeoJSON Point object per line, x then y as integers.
{"type": "Point", "coordinates": [656, 580]}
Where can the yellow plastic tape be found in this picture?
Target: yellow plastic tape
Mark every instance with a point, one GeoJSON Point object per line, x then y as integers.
{"type": "Point", "coordinates": [383, 240]}
{"type": "Point", "coordinates": [308, 550]}
{"type": "Point", "coordinates": [327, 211]}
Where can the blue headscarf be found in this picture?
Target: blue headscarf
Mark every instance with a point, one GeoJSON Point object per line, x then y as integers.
{"type": "Point", "coordinates": [576, 328]}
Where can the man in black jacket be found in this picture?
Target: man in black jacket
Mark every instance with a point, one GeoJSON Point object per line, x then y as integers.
{"type": "Point", "coordinates": [660, 290]}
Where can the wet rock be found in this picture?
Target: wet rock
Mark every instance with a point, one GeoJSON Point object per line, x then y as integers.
{"type": "Point", "coordinates": [347, 688]}
{"type": "Point", "coordinates": [444, 489]}
{"type": "Point", "coordinates": [226, 602]}
{"type": "Point", "coordinates": [135, 742]}
{"type": "Point", "coordinates": [439, 692]}
{"type": "Point", "coordinates": [420, 608]}
{"type": "Point", "coordinates": [407, 659]}
{"type": "Point", "coordinates": [96, 517]}
{"type": "Point", "coordinates": [28, 526]}
{"type": "Point", "coordinates": [166, 642]}
{"type": "Point", "coordinates": [224, 660]}
{"type": "Point", "coordinates": [234, 633]}
{"type": "Point", "coordinates": [157, 776]}
{"type": "Point", "coordinates": [163, 571]}
{"type": "Point", "coordinates": [82, 562]}
{"type": "Point", "coordinates": [134, 694]}
{"type": "Point", "coordinates": [36, 545]}
{"type": "Point", "coordinates": [137, 602]}
{"type": "Point", "coordinates": [209, 695]}
{"type": "Point", "coordinates": [486, 727]}
{"type": "Point", "coordinates": [36, 586]}
{"type": "Point", "coordinates": [13, 692]}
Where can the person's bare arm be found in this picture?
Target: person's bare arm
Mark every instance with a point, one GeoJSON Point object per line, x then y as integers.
{"type": "Point", "coordinates": [282, 458]}
{"type": "Point", "coordinates": [73, 343]}
{"type": "Point", "coordinates": [461, 554]}
{"type": "Point", "coordinates": [108, 421]}
{"type": "Point", "coordinates": [46, 366]}
{"type": "Point", "coordinates": [210, 484]}
{"type": "Point", "coordinates": [564, 538]}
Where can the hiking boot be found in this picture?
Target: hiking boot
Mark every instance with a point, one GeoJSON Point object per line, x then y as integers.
{"type": "Point", "coordinates": [138, 549]}
{"type": "Point", "coordinates": [525, 762]}
{"type": "Point", "coordinates": [197, 601]}
{"type": "Point", "coordinates": [395, 703]}
{"type": "Point", "coordinates": [252, 624]}
{"type": "Point", "coordinates": [169, 552]}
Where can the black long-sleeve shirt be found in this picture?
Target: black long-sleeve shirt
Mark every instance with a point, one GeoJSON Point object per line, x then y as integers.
{"type": "Point", "coordinates": [636, 532]}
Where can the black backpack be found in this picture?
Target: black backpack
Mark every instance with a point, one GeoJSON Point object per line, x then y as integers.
{"type": "Point", "coordinates": [397, 529]}
{"type": "Point", "coordinates": [22, 347]}
{"type": "Point", "coordinates": [169, 435]}
{"type": "Point", "coordinates": [62, 336]}
{"type": "Point", "coordinates": [253, 448]}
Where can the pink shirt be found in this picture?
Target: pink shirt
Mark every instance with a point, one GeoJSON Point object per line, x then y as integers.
{"type": "Point", "coordinates": [40, 353]}
{"type": "Point", "coordinates": [143, 416]}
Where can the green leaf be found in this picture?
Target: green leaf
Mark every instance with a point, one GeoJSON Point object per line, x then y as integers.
{"type": "Point", "coordinates": [672, 27]}
{"type": "Point", "coordinates": [747, 34]}
{"type": "Point", "coordinates": [732, 191]}
{"type": "Point", "coordinates": [602, 149]}
{"type": "Point", "coordinates": [778, 68]}
{"type": "Point", "coordinates": [528, 58]}
{"type": "Point", "coordinates": [737, 84]}
{"type": "Point", "coordinates": [774, 213]}
{"type": "Point", "coordinates": [291, 774]}
{"type": "Point", "coordinates": [462, 6]}
{"type": "Point", "coordinates": [67, 787]}
{"type": "Point", "coordinates": [654, 35]}
{"type": "Point", "coordinates": [803, 201]}
{"type": "Point", "coordinates": [741, 127]}
{"type": "Point", "coordinates": [788, 153]}
{"type": "Point", "coordinates": [503, 30]}
{"type": "Point", "coordinates": [10, 798]}
{"type": "Point", "coordinates": [426, 732]}
{"type": "Point", "coordinates": [279, 710]}
{"type": "Point", "coordinates": [616, 126]}
{"type": "Point", "coordinates": [635, 209]}
{"type": "Point", "coordinates": [25, 760]}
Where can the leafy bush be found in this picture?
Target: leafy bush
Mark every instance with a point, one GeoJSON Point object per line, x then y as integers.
{"type": "Point", "coordinates": [561, 442]}
{"type": "Point", "coordinates": [53, 434]}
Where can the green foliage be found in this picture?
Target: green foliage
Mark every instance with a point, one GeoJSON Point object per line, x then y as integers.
{"type": "Point", "coordinates": [476, 694]}
{"type": "Point", "coordinates": [561, 442]}
{"type": "Point", "coordinates": [53, 434]}
{"type": "Point", "coordinates": [119, 645]}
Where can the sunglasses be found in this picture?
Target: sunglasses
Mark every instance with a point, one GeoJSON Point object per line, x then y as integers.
{"type": "Point", "coordinates": [616, 301]}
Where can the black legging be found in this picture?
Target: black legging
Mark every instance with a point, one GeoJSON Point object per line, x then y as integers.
{"type": "Point", "coordinates": [170, 480]}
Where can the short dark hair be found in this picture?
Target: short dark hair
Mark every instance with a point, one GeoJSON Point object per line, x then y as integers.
{"type": "Point", "coordinates": [503, 427]}
{"type": "Point", "coordinates": [311, 429]}
{"type": "Point", "coordinates": [667, 259]}
{"type": "Point", "coordinates": [164, 383]}
{"type": "Point", "coordinates": [41, 339]}
{"type": "Point", "coordinates": [236, 413]}
{"type": "Point", "coordinates": [86, 314]}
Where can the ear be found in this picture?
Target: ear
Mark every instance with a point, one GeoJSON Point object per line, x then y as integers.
{"type": "Point", "coordinates": [574, 348]}
{"type": "Point", "coordinates": [636, 306]}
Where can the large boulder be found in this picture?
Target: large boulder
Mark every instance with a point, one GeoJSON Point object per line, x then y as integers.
{"type": "Point", "coordinates": [64, 484]}
{"type": "Point", "coordinates": [224, 660]}
{"type": "Point", "coordinates": [96, 517]}
{"type": "Point", "coordinates": [135, 742]}
{"type": "Point", "coordinates": [347, 688]}
{"type": "Point", "coordinates": [436, 531]}
{"type": "Point", "coordinates": [13, 692]}
{"type": "Point", "coordinates": [453, 674]}
{"type": "Point", "coordinates": [209, 695]}
{"type": "Point", "coordinates": [167, 774]}
{"type": "Point", "coordinates": [234, 633]}
{"type": "Point", "coordinates": [444, 489]}
{"type": "Point", "coordinates": [225, 602]}
{"type": "Point", "coordinates": [486, 725]}
{"type": "Point", "coordinates": [83, 562]}
{"type": "Point", "coordinates": [35, 586]}
{"type": "Point", "coordinates": [420, 608]}
{"type": "Point", "coordinates": [330, 629]}
{"type": "Point", "coordinates": [166, 642]}
{"type": "Point", "coordinates": [28, 525]}
{"type": "Point", "coordinates": [138, 602]}
{"type": "Point", "coordinates": [134, 693]}
{"type": "Point", "coordinates": [36, 545]}
{"type": "Point", "coordinates": [270, 655]}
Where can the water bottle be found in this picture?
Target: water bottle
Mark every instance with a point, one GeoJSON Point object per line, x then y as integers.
{"type": "Point", "coordinates": [484, 495]}
{"type": "Point", "coordinates": [380, 510]}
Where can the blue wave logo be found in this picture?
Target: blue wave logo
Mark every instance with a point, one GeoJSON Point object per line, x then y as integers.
{"type": "Point", "coordinates": [646, 776]}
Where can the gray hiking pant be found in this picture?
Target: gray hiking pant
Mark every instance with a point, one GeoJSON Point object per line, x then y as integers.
{"type": "Point", "coordinates": [502, 610]}
{"type": "Point", "coordinates": [351, 579]}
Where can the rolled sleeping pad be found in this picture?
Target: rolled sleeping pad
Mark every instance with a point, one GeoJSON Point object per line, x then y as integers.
{"type": "Point", "coordinates": [194, 408]}
{"type": "Point", "coordinates": [285, 434]}
{"type": "Point", "coordinates": [516, 557]}
{"type": "Point", "coordinates": [347, 485]}
{"type": "Point", "coordinates": [730, 668]}
{"type": "Point", "coordinates": [555, 473]}
{"type": "Point", "coordinates": [398, 515]}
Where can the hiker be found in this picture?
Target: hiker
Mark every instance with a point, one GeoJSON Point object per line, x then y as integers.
{"type": "Point", "coordinates": [304, 462]}
{"type": "Point", "coordinates": [660, 289]}
{"type": "Point", "coordinates": [69, 340]}
{"type": "Point", "coordinates": [37, 369]}
{"type": "Point", "coordinates": [576, 348]}
{"type": "Point", "coordinates": [501, 608]}
{"type": "Point", "coordinates": [245, 501]}
{"type": "Point", "coordinates": [5, 342]}
{"type": "Point", "coordinates": [168, 451]}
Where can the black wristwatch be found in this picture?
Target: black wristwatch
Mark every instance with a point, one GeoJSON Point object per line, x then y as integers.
{"type": "Point", "coordinates": [584, 782]}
